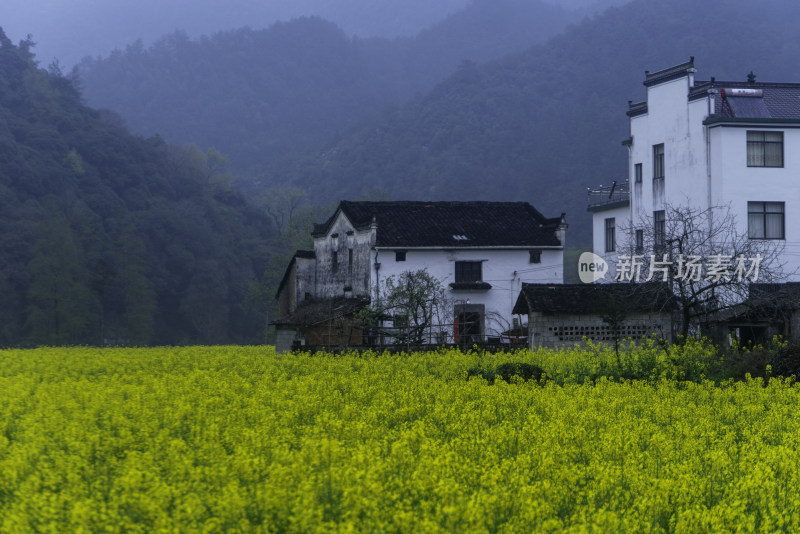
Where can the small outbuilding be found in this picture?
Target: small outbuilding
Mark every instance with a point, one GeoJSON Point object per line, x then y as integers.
{"type": "Point", "coordinates": [565, 314]}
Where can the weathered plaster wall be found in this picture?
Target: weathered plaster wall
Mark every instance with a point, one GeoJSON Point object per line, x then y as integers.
{"type": "Point", "coordinates": [333, 277]}
{"type": "Point", "coordinates": [556, 331]}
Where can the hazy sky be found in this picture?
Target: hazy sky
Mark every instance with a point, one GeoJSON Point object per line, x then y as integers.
{"type": "Point", "coordinates": [71, 29]}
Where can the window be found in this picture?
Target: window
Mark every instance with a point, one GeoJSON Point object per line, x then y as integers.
{"type": "Point", "coordinates": [658, 161]}
{"type": "Point", "coordinates": [765, 220]}
{"type": "Point", "coordinates": [637, 173]}
{"type": "Point", "coordinates": [764, 149]}
{"type": "Point", "coordinates": [335, 261]}
{"type": "Point", "coordinates": [611, 243]}
{"type": "Point", "coordinates": [399, 255]}
{"type": "Point", "coordinates": [536, 256]}
{"type": "Point", "coordinates": [639, 241]}
{"type": "Point", "coordinates": [468, 271]}
{"type": "Point", "coordinates": [659, 229]}
{"type": "Point", "coordinates": [350, 257]}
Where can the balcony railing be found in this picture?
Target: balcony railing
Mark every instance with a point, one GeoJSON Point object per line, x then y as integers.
{"type": "Point", "coordinates": [604, 195]}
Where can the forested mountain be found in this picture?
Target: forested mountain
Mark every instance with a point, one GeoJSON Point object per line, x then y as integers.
{"type": "Point", "coordinates": [109, 237]}
{"type": "Point", "coordinates": [261, 96]}
{"type": "Point", "coordinates": [546, 124]}
{"type": "Point", "coordinates": [72, 30]}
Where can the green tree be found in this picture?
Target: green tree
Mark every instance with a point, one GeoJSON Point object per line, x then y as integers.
{"type": "Point", "coordinates": [60, 309]}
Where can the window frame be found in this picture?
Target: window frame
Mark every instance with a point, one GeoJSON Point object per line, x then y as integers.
{"type": "Point", "coordinates": [762, 144]}
{"type": "Point", "coordinates": [639, 241]}
{"type": "Point", "coordinates": [765, 214]}
{"type": "Point", "coordinates": [400, 255]}
{"type": "Point", "coordinates": [659, 170]}
{"type": "Point", "coordinates": [465, 271]}
{"type": "Point", "coordinates": [610, 234]}
{"type": "Point", "coordinates": [659, 229]}
{"type": "Point", "coordinates": [637, 173]}
{"type": "Point", "coordinates": [535, 256]}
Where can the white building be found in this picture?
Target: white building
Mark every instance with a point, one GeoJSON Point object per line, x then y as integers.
{"type": "Point", "coordinates": [707, 144]}
{"type": "Point", "coordinates": [481, 252]}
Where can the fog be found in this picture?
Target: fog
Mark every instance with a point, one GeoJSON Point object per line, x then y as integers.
{"type": "Point", "coordinates": [68, 31]}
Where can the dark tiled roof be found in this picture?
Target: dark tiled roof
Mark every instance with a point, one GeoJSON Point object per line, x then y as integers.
{"type": "Point", "coordinates": [595, 299]}
{"type": "Point", "coordinates": [319, 311]}
{"type": "Point", "coordinates": [777, 295]}
{"type": "Point", "coordinates": [406, 224]}
{"type": "Point", "coordinates": [776, 101]}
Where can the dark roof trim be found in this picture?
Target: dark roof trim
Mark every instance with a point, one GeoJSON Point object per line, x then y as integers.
{"type": "Point", "coordinates": [608, 206]}
{"type": "Point", "coordinates": [594, 299]}
{"type": "Point", "coordinates": [634, 110]}
{"type": "Point", "coordinates": [457, 286]}
{"type": "Point", "coordinates": [672, 73]}
{"type": "Point", "coordinates": [627, 142]}
{"type": "Point", "coordinates": [722, 120]}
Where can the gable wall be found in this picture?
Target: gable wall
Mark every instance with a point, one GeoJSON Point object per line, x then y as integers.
{"type": "Point", "coordinates": [331, 281]}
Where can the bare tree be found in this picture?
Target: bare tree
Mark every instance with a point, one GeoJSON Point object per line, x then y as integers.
{"type": "Point", "coordinates": [417, 303]}
{"type": "Point", "coordinates": [706, 260]}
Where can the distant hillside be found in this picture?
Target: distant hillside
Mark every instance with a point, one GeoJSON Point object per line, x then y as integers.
{"type": "Point", "coordinates": [108, 237]}
{"type": "Point", "coordinates": [72, 30]}
{"type": "Point", "coordinates": [546, 124]}
{"type": "Point", "coordinates": [261, 96]}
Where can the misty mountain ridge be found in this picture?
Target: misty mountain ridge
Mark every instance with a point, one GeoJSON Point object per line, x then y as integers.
{"type": "Point", "coordinates": [70, 31]}
{"type": "Point", "coordinates": [262, 96]}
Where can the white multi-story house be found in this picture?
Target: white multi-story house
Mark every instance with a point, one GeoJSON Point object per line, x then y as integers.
{"type": "Point", "coordinates": [707, 144]}
{"type": "Point", "coordinates": [481, 252]}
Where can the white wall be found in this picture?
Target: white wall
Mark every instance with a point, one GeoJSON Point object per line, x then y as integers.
{"type": "Point", "coordinates": [676, 123]}
{"type": "Point", "coordinates": [622, 221]}
{"type": "Point", "coordinates": [504, 269]}
{"type": "Point", "coordinates": [735, 184]}
{"type": "Point", "coordinates": [706, 166]}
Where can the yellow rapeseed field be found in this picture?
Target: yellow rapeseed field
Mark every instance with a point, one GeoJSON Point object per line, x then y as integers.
{"type": "Point", "coordinates": [241, 439]}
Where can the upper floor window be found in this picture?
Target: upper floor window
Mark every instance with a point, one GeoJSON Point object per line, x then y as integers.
{"type": "Point", "coordinates": [335, 261]}
{"type": "Point", "coordinates": [764, 149]}
{"type": "Point", "coordinates": [535, 256]}
{"type": "Point", "coordinates": [611, 243]}
{"type": "Point", "coordinates": [350, 258]}
{"type": "Point", "coordinates": [399, 255]}
{"type": "Point", "coordinates": [469, 271]}
{"type": "Point", "coordinates": [659, 229]}
{"type": "Point", "coordinates": [639, 241]}
{"type": "Point", "coordinates": [658, 161]}
{"type": "Point", "coordinates": [766, 220]}
{"type": "Point", "coordinates": [637, 173]}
